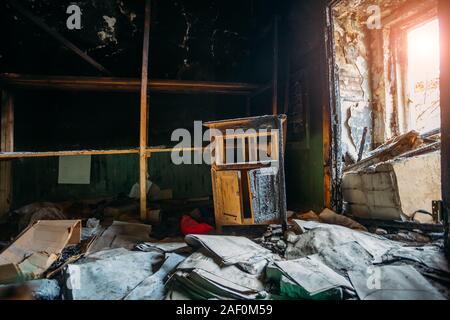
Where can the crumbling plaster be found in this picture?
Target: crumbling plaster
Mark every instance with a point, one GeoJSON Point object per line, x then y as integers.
{"type": "Point", "coordinates": [365, 62]}
{"type": "Point", "coordinates": [352, 60]}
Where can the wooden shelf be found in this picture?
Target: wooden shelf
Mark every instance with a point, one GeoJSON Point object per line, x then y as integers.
{"type": "Point", "coordinates": [16, 155]}
{"type": "Point", "coordinates": [149, 151]}
{"type": "Point", "coordinates": [108, 84]}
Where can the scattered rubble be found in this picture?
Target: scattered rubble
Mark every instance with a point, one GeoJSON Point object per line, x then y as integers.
{"type": "Point", "coordinates": [42, 289]}
{"type": "Point", "coordinates": [312, 260]}
{"type": "Point", "coordinates": [394, 283]}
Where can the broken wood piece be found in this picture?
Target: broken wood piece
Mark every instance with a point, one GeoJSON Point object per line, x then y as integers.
{"type": "Point", "coordinates": [35, 250]}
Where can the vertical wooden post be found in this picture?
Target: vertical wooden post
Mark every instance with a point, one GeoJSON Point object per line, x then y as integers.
{"type": "Point", "coordinates": [444, 20]}
{"type": "Point", "coordinates": [6, 145]}
{"type": "Point", "coordinates": [144, 115]}
{"type": "Point", "coordinates": [275, 68]}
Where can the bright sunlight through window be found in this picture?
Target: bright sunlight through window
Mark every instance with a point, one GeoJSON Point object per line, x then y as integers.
{"type": "Point", "coordinates": [423, 77]}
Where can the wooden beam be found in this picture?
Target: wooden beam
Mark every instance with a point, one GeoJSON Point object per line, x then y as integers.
{"type": "Point", "coordinates": [6, 145]}
{"type": "Point", "coordinates": [144, 115]}
{"type": "Point", "coordinates": [57, 36]}
{"type": "Point", "coordinates": [18, 155]}
{"type": "Point", "coordinates": [149, 151]}
{"type": "Point", "coordinates": [109, 84]}
{"type": "Point", "coordinates": [275, 68]}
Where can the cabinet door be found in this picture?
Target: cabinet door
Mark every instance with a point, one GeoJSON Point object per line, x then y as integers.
{"type": "Point", "coordinates": [264, 193]}
{"type": "Point", "coordinates": [227, 197]}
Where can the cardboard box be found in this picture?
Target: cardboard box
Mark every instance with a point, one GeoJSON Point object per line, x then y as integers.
{"type": "Point", "coordinates": [37, 248]}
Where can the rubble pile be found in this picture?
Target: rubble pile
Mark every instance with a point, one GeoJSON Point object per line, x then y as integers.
{"type": "Point", "coordinates": [311, 260]}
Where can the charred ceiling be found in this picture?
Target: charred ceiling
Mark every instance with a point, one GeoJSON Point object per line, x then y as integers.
{"type": "Point", "coordinates": [201, 40]}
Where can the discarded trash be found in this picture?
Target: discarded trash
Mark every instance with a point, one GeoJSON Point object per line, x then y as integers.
{"type": "Point", "coordinates": [322, 236]}
{"type": "Point", "coordinates": [92, 229]}
{"type": "Point", "coordinates": [429, 256]}
{"type": "Point", "coordinates": [190, 226]}
{"type": "Point", "coordinates": [307, 279]}
{"type": "Point", "coordinates": [200, 277]}
{"type": "Point", "coordinates": [153, 288]}
{"type": "Point", "coordinates": [344, 258]}
{"type": "Point", "coordinates": [37, 248]}
{"type": "Point", "coordinates": [42, 289]}
{"type": "Point", "coordinates": [330, 217]}
{"type": "Point", "coordinates": [122, 235]}
{"type": "Point", "coordinates": [169, 247]}
{"type": "Point", "coordinates": [308, 216]}
{"type": "Point", "coordinates": [393, 283]}
{"type": "Point", "coordinates": [229, 250]}
{"type": "Point", "coordinates": [109, 274]}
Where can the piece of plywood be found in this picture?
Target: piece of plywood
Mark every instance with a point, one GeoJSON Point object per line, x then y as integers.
{"type": "Point", "coordinates": [227, 197]}
{"type": "Point", "coordinates": [6, 145]}
{"type": "Point", "coordinates": [74, 170]}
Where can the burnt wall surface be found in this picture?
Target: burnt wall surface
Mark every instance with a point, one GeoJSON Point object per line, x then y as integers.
{"type": "Point", "coordinates": [352, 54]}
{"type": "Point", "coordinates": [191, 40]}
{"type": "Point", "coordinates": [202, 39]}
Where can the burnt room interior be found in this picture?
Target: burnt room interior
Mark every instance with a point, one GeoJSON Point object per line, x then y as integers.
{"type": "Point", "coordinates": [190, 150]}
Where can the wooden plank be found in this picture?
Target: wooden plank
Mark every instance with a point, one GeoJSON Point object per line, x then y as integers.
{"type": "Point", "coordinates": [217, 204]}
{"type": "Point", "coordinates": [229, 197]}
{"type": "Point", "coordinates": [6, 145]}
{"type": "Point", "coordinates": [57, 36]}
{"type": "Point", "coordinates": [110, 84]}
{"type": "Point", "coordinates": [143, 164]}
{"type": "Point", "coordinates": [18, 155]}
{"type": "Point", "coordinates": [149, 151]}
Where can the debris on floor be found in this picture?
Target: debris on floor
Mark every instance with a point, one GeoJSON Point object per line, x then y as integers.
{"type": "Point", "coordinates": [122, 235]}
{"type": "Point", "coordinates": [166, 247]}
{"type": "Point", "coordinates": [320, 236]}
{"type": "Point", "coordinates": [153, 287]}
{"type": "Point", "coordinates": [397, 181]}
{"type": "Point", "coordinates": [189, 225]}
{"type": "Point", "coordinates": [307, 279]}
{"type": "Point", "coordinates": [109, 274]}
{"type": "Point", "coordinates": [329, 258]}
{"type": "Point", "coordinates": [42, 289]}
{"type": "Point", "coordinates": [37, 248]}
{"type": "Point", "coordinates": [330, 217]}
{"type": "Point", "coordinates": [229, 250]}
{"type": "Point", "coordinates": [200, 277]}
{"type": "Point", "coordinates": [393, 283]}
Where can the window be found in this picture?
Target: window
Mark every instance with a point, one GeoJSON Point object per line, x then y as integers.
{"type": "Point", "coordinates": [422, 87]}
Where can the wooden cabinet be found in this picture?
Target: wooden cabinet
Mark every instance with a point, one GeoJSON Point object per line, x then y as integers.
{"type": "Point", "coordinates": [245, 171]}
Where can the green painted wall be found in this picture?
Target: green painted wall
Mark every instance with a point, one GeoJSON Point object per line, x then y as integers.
{"type": "Point", "coordinates": [37, 179]}
{"type": "Point", "coordinates": [306, 52]}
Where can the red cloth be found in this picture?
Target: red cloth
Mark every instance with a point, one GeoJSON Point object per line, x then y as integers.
{"type": "Point", "coordinates": [190, 226]}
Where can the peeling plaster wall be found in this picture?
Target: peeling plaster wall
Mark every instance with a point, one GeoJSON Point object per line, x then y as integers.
{"type": "Point", "coordinates": [366, 61]}
{"type": "Point", "coordinates": [352, 61]}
